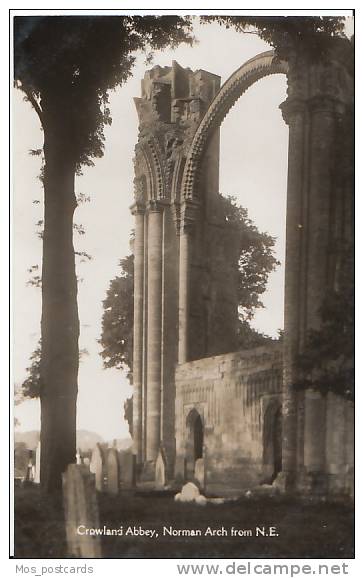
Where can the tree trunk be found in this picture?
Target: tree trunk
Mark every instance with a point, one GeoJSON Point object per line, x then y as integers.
{"type": "Point", "coordinates": [60, 324]}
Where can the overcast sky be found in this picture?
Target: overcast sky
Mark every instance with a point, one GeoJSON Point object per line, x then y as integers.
{"type": "Point", "coordinates": [253, 167]}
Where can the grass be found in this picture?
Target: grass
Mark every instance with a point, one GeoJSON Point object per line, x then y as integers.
{"type": "Point", "coordinates": [307, 529]}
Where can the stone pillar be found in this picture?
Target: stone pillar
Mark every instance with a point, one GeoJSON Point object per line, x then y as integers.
{"type": "Point", "coordinates": [188, 213]}
{"type": "Point", "coordinates": [335, 441]}
{"type": "Point", "coordinates": [138, 211]}
{"type": "Point", "coordinates": [294, 113]}
{"type": "Point", "coordinates": [315, 432]}
{"type": "Point", "coordinates": [154, 335]}
{"type": "Point", "coordinates": [321, 185]}
{"type": "Point", "coordinates": [321, 197]}
{"type": "Point", "coordinates": [183, 300]}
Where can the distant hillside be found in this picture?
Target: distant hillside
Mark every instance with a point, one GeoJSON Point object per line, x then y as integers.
{"type": "Point", "coordinates": [86, 440]}
{"type": "Point", "coordinates": [29, 438]}
{"type": "Point", "coordinates": [121, 444]}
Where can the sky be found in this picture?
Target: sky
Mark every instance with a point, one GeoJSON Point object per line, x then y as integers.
{"type": "Point", "coordinates": [253, 167]}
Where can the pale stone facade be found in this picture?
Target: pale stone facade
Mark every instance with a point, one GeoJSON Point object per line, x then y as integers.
{"type": "Point", "coordinates": [193, 400]}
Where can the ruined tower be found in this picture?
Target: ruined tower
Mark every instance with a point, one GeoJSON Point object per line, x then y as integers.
{"type": "Point", "coordinates": [184, 309]}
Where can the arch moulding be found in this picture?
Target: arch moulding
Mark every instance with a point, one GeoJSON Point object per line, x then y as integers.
{"type": "Point", "coordinates": [264, 64]}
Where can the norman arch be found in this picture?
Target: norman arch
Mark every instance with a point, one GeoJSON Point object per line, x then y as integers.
{"type": "Point", "coordinates": [262, 65]}
{"type": "Point", "coordinates": [185, 298]}
{"type": "Point", "coordinates": [194, 440]}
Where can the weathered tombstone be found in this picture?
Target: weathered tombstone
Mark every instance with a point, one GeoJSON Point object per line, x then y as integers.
{"type": "Point", "coordinates": [112, 472]}
{"type": "Point", "coordinates": [127, 469]}
{"type": "Point", "coordinates": [81, 512]}
{"type": "Point", "coordinates": [160, 470]}
{"type": "Point", "coordinates": [97, 467]}
{"type": "Point", "coordinates": [200, 472]}
{"type": "Point", "coordinates": [37, 465]}
{"type": "Point", "coordinates": [78, 457]}
{"type": "Point", "coordinates": [180, 470]}
{"type": "Point", "coordinates": [30, 470]}
{"type": "Point", "coordinates": [189, 493]}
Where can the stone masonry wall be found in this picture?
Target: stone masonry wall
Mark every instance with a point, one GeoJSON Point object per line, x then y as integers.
{"type": "Point", "coordinates": [231, 393]}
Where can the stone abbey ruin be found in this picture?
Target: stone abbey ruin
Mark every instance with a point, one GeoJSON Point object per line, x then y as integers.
{"type": "Point", "coordinates": [233, 419]}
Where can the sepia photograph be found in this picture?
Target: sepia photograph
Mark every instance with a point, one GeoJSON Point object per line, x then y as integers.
{"type": "Point", "coordinates": [183, 286]}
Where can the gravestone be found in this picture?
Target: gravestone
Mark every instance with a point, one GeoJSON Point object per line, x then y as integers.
{"type": "Point", "coordinates": [160, 470]}
{"type": "Point", "coordinates": [97, 467]}
{"type": "Point", "coordinates": [81, 511]}
{"type": "Point", "coordinates": [180, 470]}
{"type": "Point", "coordinates": [112, 472]}
{"type": "Point", "coordinates": [127, 469]}
{"type": "Point", "coordinates": [37, 465]}
{"type": "Point", "coordinates": [189, 493]}
{"type": "Point", "coordinates": [200, 472]}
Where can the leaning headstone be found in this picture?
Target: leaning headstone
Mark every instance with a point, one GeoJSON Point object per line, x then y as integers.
{"type": "Point", "coordinates": [81, 512]}
{"type": "Point", "coordinates": [127, 469]}
{"type": "Point", "coordinates": [37, 465]}
{"type": "Point", "coordinates": [112, 472]}
{"type": "Point", "coordinates": [160, 471]}
{"type": "Point", "coordinates": [97, 467]}
{"type": "Point", "coordinates": [200, 472]}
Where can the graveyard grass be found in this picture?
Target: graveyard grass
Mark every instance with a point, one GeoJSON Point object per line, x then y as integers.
{"type": "Point", "coordinates": [307, 529]}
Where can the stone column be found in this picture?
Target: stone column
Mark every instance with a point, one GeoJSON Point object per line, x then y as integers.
{"type": "Point", "coordinates": [138, 211]}
{"type": "Point", "coordinates": [183, 309]}
{"type": "Point", "coordinates": [321, 185]}
{"type": "Point", "coordinates": [335, 441]}
{"type": "Point", "coordinates": [188, 211]}
{"type": "Point", "coordinates": [294, 113]}
{"type": "Point", "coordinates": [154, 335]}
{"type": "Point", "coordinates": [315, 428]}
{"type": "Point", "coordinates": [321, 197]}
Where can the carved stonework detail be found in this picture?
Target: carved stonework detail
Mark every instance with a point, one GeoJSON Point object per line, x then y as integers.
{"type": "Point", "coordinates": [137, 209]}
{"type": "Point", "coordinates": [292, 107]}
{"type": "Point", "coordinates": [173, 102]}
{"type": "Point", "coordinates": [188, 213]}
{"type": "Point", "coordinates": [155, 206]}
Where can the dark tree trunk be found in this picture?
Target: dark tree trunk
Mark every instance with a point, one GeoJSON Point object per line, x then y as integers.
{"type": "Point", "coordinates": [60, 324]}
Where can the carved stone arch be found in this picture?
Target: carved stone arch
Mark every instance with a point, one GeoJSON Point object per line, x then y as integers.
{"type": "Point", "coordinates": [194, 440]}
{"type": "Point", "coordinates": [143, 180]}
{"type": "Point", "coordinates": [148, 164]}
{"type": "Point", "coordinates": [176, 178]}
{"type": "Point", "coordinates": [155, 157]}
{"type": "Point", "coordinates": [264, 64]}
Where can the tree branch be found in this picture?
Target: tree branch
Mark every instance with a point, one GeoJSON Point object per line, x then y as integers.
{"type": "Point", "coordinates": [34, 102]}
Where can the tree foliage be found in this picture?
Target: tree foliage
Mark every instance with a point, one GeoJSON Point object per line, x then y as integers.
{"type": "Point", "coordinates": [256, 261]}
{"type": "Point", "coordinates": [31, 385]}
{"type": "Point", "coordinates": [128, 413]}
{"type": "Point", "coordinates": [327, 361]}
{"type": "Point", "coordinates": [117, 321]}
{"type": "Point", "coordinates": [68, 64]}
{"type": "Point", "coordinates": [288, 34]}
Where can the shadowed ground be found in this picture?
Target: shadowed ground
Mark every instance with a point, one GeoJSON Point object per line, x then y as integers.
{"type": "Point", "coordinates": [307, 529]}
